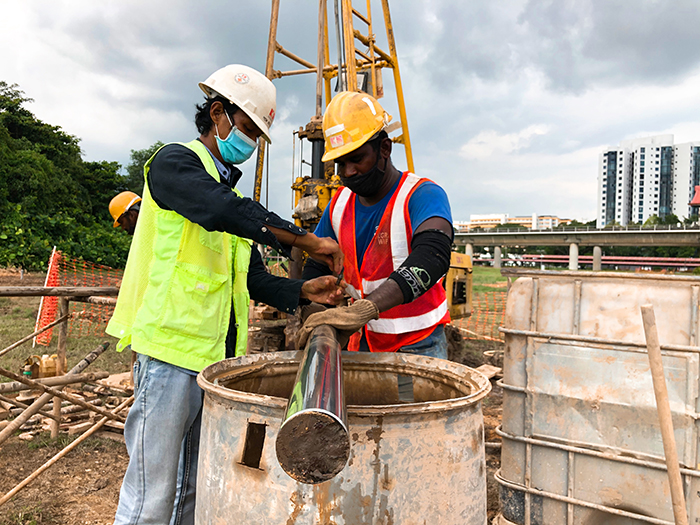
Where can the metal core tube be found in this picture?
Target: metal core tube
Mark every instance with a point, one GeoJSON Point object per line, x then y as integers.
{"type": "Point", "coordinates": [313, 443]}
{"type": "Point", "coordinates": [317, 149]}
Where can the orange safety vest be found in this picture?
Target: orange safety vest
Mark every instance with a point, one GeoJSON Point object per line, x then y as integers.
{"type": "Point", "coordinates": [404, 324]}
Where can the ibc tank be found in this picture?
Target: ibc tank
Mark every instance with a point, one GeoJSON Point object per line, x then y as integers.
{"type": "Point", "coordinates": [581, 438]}
{"type": "Point", "coordinates": [409, 464]}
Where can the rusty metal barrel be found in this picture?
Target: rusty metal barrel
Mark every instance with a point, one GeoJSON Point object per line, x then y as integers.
{"type": "Point", "coordinates": [409, 463]}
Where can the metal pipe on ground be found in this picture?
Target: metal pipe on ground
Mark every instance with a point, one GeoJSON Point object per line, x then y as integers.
{"type": "Point", "coordinates": [63, 452]}
{"type": "Point", "coordinates": [313, 443]}
{"type": "Point", "coordinates": [45, 398]}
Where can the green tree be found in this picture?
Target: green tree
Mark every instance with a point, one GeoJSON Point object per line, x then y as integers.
{"type": "Point", "coordinates": [670, 219]}
{"type": "Point", "coordinates": [653, 220]}
{"type": "Point", "coordinates": [134, 170]}
{"type": "Point", "coordinates": [100, 182]}
{"type": "Point", "coordinates": [49, 195]}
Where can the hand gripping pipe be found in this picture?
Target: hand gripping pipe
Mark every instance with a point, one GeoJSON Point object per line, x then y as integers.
{"type": "Point", "coordinates": [313, 443]}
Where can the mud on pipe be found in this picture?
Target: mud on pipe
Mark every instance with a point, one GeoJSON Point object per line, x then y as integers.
{"type": "Point", "coordinates": [313, 443]}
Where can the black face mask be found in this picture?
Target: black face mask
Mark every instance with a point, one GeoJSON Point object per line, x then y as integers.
{"type": "Point", "coordinates": [367, 184]}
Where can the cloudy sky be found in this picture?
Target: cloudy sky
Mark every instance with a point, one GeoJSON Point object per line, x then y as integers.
{"type": "Point", "coordinates": [509, 101]}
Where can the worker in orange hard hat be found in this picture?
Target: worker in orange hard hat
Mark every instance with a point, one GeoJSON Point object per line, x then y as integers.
{"type": "Point", "coordinates": [124, 209]}
{"type": "Point", "coordinates": [395, 231]}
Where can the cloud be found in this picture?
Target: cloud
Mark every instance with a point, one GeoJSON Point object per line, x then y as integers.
{"type": "Point", "coordinates": [488, 143]}
{"type": "Point", "coordinates": [579, 44]}
{"type": "Point", "coordinates": [508, 102]}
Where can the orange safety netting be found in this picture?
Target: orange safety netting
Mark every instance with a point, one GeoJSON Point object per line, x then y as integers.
{"type": "Point", "coordinates": [85, 318]}
{"type": "Point", "coordinates": [488, 312]}
{"type": "Point", "coordinates": [48, 305]}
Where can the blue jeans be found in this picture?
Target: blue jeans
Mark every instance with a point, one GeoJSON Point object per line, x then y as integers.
{"type": "Point", "coordinates": [162, 438]}
{"type": "Point", "coordinates": [435, 345]}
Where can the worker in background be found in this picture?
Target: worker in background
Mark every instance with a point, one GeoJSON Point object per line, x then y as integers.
{"type": "Point", "coordinates": [189, 278]}
{"type": "Point", "coordinates": [395, 230]}
{"type": "Point", "coordinates": [124, 209]}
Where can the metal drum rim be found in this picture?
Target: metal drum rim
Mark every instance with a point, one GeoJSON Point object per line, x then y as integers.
{"type": "Point", "coordinates": [429, 366]}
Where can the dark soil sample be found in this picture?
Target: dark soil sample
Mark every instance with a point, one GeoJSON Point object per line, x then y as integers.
{"type": "Point", "coordinates": [312, 447]}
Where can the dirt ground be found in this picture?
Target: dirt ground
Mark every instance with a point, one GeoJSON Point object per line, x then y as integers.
{"type": "Point", "coordinates": [83, 487]}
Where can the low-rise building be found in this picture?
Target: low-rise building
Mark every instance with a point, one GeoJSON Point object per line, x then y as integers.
{"type": "Point", "coordinates": [492, 220]}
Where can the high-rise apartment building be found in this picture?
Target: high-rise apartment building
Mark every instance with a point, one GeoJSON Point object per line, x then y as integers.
{"type": "Point", "coordinates": [686, 175]}
{"type": "Point", "coordinates": [645, 177]}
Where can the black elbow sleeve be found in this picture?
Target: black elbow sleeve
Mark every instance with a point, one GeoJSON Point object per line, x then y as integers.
{"type": "Point", "coordinates": [428, 262]}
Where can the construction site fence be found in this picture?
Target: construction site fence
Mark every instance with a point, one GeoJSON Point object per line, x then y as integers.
{"type": "Point", "coordinates": [488, 308]}
{"type": "Point", "coordinates": [488, 313]}
{"type": "Point", "coordinates": [85, 318]}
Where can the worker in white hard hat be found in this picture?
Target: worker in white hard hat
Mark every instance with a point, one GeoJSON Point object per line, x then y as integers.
{"type": "Point", "coordinates": [395, 230]}
{"type": "Point", "coordinates": [189, 278]}
{"type": "Point", "coordinates": [124, 208]}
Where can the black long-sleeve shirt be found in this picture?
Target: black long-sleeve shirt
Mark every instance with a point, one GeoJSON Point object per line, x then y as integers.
{"type": "Point", "coordinates": [178, 181]}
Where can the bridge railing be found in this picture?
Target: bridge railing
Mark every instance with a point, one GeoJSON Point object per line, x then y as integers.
{"type": "Point", "coordinates": [606, 260]}
{"type": "Point", "coordinates": [657, 227]}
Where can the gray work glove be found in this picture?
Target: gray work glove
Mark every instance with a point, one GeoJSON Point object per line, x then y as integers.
{"type": "Point", "coordinates": [346, 320]}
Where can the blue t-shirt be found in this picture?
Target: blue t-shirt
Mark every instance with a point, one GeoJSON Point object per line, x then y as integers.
{"type": "Point", "coordinates": [427, 201]}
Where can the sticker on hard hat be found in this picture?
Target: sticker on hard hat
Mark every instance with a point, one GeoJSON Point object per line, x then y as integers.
{"type": "Point", "coordinates": [272, 114]}
{"type": "Point", "coordinates": [242, 78]}
{"type": "Point", "coordinates": [335, 129]}
{"type": "Point", "coordinates": [337, 141]}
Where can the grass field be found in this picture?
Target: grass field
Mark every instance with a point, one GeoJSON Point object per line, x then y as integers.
{"type": "Point", "coordinates": [487, 279]}
{"type": "Point", "coordinates": [17, 317]}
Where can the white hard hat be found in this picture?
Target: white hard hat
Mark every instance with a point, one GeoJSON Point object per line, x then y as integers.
{"type": "Point", "coordinates": [248, 89]}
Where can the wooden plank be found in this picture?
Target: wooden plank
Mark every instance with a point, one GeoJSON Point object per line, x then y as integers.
{"type": "Point", "coordinates": [119, 382]}
{"type": "Point", "coordinates": [490, 371]}
{"type": "Point", "coordinates": [57, 291]}
{"type": "Point", "coordinates": [79, 428]}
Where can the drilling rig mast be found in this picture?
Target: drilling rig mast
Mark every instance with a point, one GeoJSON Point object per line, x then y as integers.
{"type": "Point", "coordinates": [360, 62]}
{"type": "Point", "coordinates": [359, 66]}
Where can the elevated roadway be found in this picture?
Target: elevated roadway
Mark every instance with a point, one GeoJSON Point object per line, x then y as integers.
{"type": "Point", "coordinates": [662, 236]}
{"type": "Point", "coordinates": [575, 237]}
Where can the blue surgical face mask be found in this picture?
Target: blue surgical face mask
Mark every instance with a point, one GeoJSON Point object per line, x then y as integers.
{"type": "Point", "coordinates": [237, 147]}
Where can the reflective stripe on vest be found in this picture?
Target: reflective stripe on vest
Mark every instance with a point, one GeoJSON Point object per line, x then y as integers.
{"type": "Point", "coordinates": [175, 300]}
{"type": "Point", "coordinates": [402, 324]}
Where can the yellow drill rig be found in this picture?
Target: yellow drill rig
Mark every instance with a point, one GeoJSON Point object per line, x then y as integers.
{"type": "Point", "coordinates": [359, 66]}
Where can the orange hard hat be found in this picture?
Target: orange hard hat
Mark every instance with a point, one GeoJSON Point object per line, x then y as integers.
{"type": "Point", "coordinates": [351, 119]}
{"type": "Point", "coordinates": [122, 203]}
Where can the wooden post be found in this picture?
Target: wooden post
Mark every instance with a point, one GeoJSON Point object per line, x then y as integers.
{"type": "Point", "coordinates": [57, 291]}
{"type": "Point", "coordinates": [56, 422]}
{"type": "Point", "coordinates": [64, 306]}
{"type": "Point", "coordinates": [664, 409]}
{"type": "Point", "coordinates": [61, 365]}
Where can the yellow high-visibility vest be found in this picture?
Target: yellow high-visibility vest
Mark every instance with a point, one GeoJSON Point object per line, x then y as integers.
{"type": "Point", "coordinates": [175, 300]}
